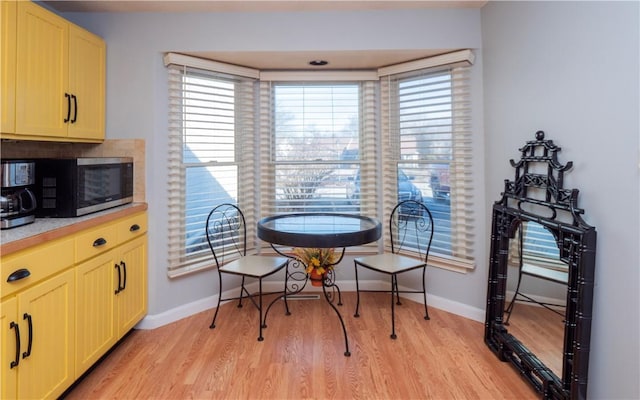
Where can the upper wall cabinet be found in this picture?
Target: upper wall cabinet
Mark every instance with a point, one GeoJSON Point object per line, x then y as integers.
{"type": "Point", "coordinates": [8, 43]}
{"type": "Point", "coordinates": [59, 75]}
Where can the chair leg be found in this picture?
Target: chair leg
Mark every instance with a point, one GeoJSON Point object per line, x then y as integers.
{"type": "Point", "coordinates": [355, 267]}
{"type": "Point", "coordinates": [242, 290]}
{"type": "Point", "coordinates": [394, 287]}
{"type": "Point", "coordinates": [397, 293]}
{"type": "Point", "coordinates": [261, 322]}
{"type": "Point", "coordinates": [215, 315]}
{"type": "Point", "coordinates": [512, 304]}
{"type": "Point", "coordinates": [424, 293]}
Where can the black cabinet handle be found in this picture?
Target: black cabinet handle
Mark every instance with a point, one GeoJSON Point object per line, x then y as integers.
{"type": "Point", "coordinates": [134, 227]}
{"type": "Point", "coordinates": [19, 274]}
{"type": "Point", "coordinates": [124, 281]}
{"type": "Point", "coordinates": [119, 278]}
{"type": "Point", "coordinates": [16, 361]}
{"type": "Point", "coordinates": [75, 109]}
{"type": "Point", "coordinates": [30, 322]}
{"type": "Point", "coordinates": [99, 242]}
{"type": "Point", "coordinates": [68, 97]}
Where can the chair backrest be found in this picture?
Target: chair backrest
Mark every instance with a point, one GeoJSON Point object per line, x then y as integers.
{"type": "Point", "coordinates": [226, 233]}
{"type": "Point", "coordinates": [411, 228]}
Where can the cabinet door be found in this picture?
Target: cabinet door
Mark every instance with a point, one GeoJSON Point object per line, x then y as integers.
{"type": "Point", "coordinates": [47, 369]}
{"type": "Point", "coordinates": [42, 72]}
{"type": "Point", "coordinates": [8, 67]}
{"type": "Point", "coordinates": [8, 323]}
{"type": "Point", "coordinates": [132, 300]}
{"type": "Point", "coordinates": [95, 310]}
{"type": "Point", "coordinates": [86, 84]}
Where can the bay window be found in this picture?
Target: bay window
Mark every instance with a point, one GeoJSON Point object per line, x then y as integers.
{"type": "Point", "coordinates": [356, 146]}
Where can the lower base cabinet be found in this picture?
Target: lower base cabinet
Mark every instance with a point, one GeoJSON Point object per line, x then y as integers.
{"type": "Point", "coordinates": [39, 340]}
{"type": "Point", "coordinates": [54, 327]}
{"type": "Point", "coordinates": [96, 322]}
{"type": "Point", "coordinates": [111, 299]}
{"type": "Point", "coordinates": [132, 297]}
{"type": "Point", "coordinates": [10, 351]}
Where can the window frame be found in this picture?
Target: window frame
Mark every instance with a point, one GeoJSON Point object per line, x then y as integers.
{"type": "Point", "coordinates": [462, 257]}
{"type": "Point", "coordinates": [181, 260]}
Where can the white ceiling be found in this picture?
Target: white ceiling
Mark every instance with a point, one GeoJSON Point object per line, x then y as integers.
{"type": "Point", "coordinates": [254, 6]}
{"type": "Point", "coordinates": [299, 60]}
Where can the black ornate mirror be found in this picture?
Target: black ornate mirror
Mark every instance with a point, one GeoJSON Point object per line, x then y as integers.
{"type": "Point", "coordinates": [541, 269]}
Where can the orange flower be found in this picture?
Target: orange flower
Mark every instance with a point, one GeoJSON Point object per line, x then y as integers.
{"type": "Point", "coordinates": [320, 260]}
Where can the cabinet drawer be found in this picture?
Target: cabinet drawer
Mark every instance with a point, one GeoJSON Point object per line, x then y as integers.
{"type": "Point", "coordinates": [40, 262]}
{"type": "Point", "coordinates": [132, 227]}
{"type": "Point", "coordinates": [96, 241]}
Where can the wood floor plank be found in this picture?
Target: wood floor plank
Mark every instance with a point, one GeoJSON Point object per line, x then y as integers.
{"type": "Point", "coordinates": [302, 357]}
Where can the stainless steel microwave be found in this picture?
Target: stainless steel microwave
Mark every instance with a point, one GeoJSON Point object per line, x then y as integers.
{"type": "Point", "coordinates": [71, 187]}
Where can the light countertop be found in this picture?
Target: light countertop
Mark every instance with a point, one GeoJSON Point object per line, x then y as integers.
{"type": "Point", "coordinates": [46, 229]}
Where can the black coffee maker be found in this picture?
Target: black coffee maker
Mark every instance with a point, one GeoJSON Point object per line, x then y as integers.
{"type": "Point", "coordinates": [17, 201]}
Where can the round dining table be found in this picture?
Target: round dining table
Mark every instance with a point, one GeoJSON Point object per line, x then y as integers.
{"type": "Point", "coordinates": [320, 230]}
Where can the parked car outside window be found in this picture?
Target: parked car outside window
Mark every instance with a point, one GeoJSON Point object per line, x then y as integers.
{"type": "Point", "coordinates": [439, 179]}
{"type": "Point", "coordinates": [407, 190]}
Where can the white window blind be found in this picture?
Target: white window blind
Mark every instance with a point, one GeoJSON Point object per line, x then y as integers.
{"type": "Point", "coordinates": [319, 147]}
{"type": "Point", "coordinates": [316, 150]}
{"type": "Point", "coordinates": [539, 248]}
{"type": "Point", "coordinates": [426, 142]}
{"type": "Point", "coordinates": [210, 160]}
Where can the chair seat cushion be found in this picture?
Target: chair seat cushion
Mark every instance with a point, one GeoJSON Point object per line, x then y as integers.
{"type": "Point", "coordinates": [390, 263]}
{"type": "Point", "coordinates": [255, 266]}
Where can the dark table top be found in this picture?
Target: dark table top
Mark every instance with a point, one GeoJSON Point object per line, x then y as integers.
{"type": "Point", "coordinates": [323, 230]}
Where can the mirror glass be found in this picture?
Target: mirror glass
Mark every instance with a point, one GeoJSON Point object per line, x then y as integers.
{"type": "Point", "coordinates": [536, 293]}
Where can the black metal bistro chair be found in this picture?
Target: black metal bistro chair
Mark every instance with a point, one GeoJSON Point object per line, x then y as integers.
{"type": "Point", "coordinates": [227, 238]}
{"type": "Point", "coordinates": [411, 233]}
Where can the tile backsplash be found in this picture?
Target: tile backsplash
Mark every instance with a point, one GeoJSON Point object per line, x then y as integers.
{"type": "Point", "coordinates": [109, 148]}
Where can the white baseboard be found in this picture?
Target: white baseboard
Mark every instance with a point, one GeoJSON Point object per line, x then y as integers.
{"type": "Point", "coordinates": [157, 320]}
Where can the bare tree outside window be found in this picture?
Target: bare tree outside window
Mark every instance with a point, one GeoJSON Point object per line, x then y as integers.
{"type": "Point", "coordinates": [313, 126]}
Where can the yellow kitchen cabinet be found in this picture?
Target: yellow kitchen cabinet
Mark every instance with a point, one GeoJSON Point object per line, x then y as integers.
{"type": "Point", "coordinates": [87, 65]}
{"type": "Point", "coordinates": [132, 297]}
{"type": "Point", "coordinates": [72, 298]}
{"type": "Point", "coordinates": [8, 44]}
{"type": "Point", "coordinates": [42, 72]}
{"type": "Point", "coordinates": [111, 286]}
{"type": "Point", "coordinates": [60, 79]}
{"type": "Point", "coordinates": [112, 298]}
{"type": "Point", "coordinates": [44, 315]}
{"type": "Point", "coordinates": [96, 318]}
{"type": "Point", "coordinates": [10, 351]}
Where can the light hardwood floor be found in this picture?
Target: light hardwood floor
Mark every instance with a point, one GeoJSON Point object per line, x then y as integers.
{"type": "Point", "coordinates": [302, 357]}
{"type": "Point", "coordinates": [542, 331]}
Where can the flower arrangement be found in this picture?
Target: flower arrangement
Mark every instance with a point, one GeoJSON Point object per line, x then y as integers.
{"type": "Point", "coordinates": [317, 260]}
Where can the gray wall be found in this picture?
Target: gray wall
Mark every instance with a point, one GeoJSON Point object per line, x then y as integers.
{"type": "Point", "coordinates": [137, 100]}
{"type": "Point", "coordinates": [571, 69]}
{"type": "Point", "coordinates": [567, 68]}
